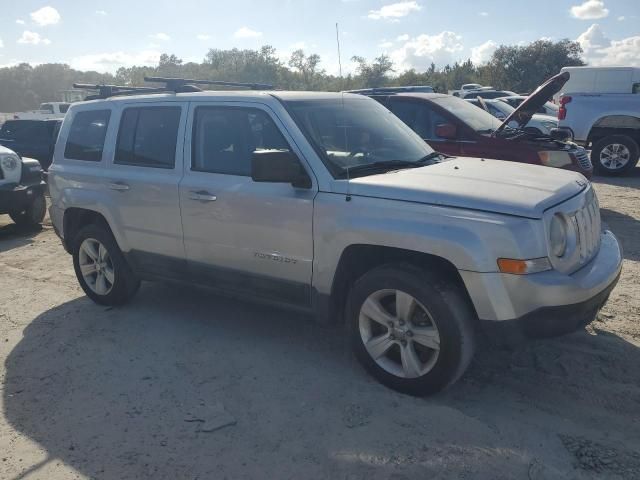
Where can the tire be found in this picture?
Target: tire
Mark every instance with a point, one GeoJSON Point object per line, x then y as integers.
{"type": "Point", "coordinates": [119, 284]}
{"type": "Point", "coordinates": [33, 215]}
{"type": "Point", "coordinates": [615, 155]}
{"type": "Point", "coordinates": [437, 302]}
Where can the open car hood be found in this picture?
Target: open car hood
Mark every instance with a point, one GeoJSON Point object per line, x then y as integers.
{"type": "Point", "coordinates": [522, 115]}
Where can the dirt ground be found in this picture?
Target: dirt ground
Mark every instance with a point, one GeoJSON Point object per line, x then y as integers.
{"type": "Point", "coordinates": [182, 384]}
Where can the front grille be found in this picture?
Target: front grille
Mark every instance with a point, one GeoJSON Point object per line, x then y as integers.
{"type": "Point", "coordinates": [583, 158]}
{"type": "Point", "coordinates": [587, 224]}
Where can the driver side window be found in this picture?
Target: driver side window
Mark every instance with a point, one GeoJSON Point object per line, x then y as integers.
{"type": "Point", "coordinates": [420, 117]}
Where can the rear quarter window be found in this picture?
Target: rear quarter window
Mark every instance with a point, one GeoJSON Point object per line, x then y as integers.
{"type": "Point", "coordinates": [87, 134]}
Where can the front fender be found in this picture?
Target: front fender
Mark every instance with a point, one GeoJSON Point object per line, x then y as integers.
{"type": "Point", "coordinates": [470, 240]}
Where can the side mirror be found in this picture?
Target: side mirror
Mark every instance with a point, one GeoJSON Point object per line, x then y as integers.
{"type": "Point", "coordinates": [278, 166]}
{"type": "Point", "coordinates": [446, 130]}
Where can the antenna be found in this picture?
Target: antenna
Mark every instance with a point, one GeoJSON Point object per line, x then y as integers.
{"type": "Point", "coordinates": [339, 56]}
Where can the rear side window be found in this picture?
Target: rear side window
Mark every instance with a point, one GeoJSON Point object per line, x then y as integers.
{"type": "Point", "coordinates": [86, 136]}
{"type": "Point", "coordinates": [148, 137]}
{"type": "Point", "coordinates": [224, 139]}
{"type": "Point", "coordinates": [63, 107]}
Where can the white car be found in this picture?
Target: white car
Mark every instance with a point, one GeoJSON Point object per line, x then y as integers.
{"type": "Point", "coordinates": [541, 124]}
{"type": "Point", "coordinates": [45, 112]}
{"type": "Point", "coordinates": [548, 108]}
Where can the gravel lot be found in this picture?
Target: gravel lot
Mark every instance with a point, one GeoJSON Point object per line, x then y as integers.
{"type": "Point", "coordinates": [184, 384]}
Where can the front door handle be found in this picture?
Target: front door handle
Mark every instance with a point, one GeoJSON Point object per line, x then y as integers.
{"type": "Point", "coordinates": [119, 186]}
{"type": "Point", "coordinates": [202, 196]}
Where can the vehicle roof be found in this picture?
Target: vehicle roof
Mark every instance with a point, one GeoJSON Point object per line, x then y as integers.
{"type": "Point", "coordinates": [422, 95]}
{"type": "Point", "coordinates": [33, 120]}
{"type": "Point", "coordinates": [244, 95]}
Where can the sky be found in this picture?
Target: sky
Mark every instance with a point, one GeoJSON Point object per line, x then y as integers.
{"type": "Point", "coordinates": [104, 36]}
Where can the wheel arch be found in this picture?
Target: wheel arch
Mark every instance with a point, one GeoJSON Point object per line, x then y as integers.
{"type": "Point", "coordinates": [75, 218]}
{"type": "Point", "coordinates": [357, 259]}
{"type": "Point", "coordinates": [615, 125]}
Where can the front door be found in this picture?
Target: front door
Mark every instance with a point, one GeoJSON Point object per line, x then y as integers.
{"type": "Point", "coordinates": [241, 236]}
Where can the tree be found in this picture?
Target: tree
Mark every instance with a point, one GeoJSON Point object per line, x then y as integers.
{"type": "Point", "coordinates": [373, 74]}
{"type": "Point", "coordinates": [306, 66]}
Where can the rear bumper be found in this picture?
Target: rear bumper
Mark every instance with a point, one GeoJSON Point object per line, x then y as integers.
{"type": "Point", "coordinates": [18, 197]}
{"type": "Point", "coordinates": [500, 297]}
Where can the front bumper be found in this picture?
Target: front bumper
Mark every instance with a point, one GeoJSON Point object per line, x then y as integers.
{"type": "Point", "coordinates": [548, 298]}
{"type": "Point", "coordinates": [18, 197]}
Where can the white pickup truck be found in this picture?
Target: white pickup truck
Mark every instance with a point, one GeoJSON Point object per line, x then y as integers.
{"type": "Point", "coordinates": [600, 108]}
{"type": "Point", "coordinates": [45, 112]}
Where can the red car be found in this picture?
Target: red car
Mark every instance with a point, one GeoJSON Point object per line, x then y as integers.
{"type": "Point", "coordinates": [456, 127]}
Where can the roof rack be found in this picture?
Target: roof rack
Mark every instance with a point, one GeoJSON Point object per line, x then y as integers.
{"type": "Point", "coordinates": [171, 85]}
{"type": "Point", "coordinates": [178, 84]}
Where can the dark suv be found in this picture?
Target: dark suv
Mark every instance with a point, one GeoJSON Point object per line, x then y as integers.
{"type": "Point", "coordinates": [455, 127]}
{"type": "Point", "coordinates": [31, 138]}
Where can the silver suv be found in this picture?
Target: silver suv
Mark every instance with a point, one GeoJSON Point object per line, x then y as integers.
{"type": "Point", "coordinates": [328, 203]}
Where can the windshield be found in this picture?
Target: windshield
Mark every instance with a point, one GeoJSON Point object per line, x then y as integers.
{"type": "Point", "coordinates": [352, 132]}
{"type": "Point", "coordinates": [474, 117]}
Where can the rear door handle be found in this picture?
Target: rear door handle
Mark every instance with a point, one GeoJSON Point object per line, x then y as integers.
{"type": "Point", "coordinates": [119, 186]}
{"type": "Point", "coordinates": [202, 196]}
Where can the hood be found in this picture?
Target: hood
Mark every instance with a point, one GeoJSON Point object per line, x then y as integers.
{"type": "Point", "coordinates": [490, 185]}
{"type": "Point", "coordinates": [522, 115]}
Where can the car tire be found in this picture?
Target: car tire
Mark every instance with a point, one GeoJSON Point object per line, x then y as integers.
{"type": "Point", "coordinates": [101, 269]}
{"type": "Point", "coordinates": [432, 337]}
{"type": "Point", "coordinates": [33, 215]}
{"type": "Point", "coordinates": [615, 155]}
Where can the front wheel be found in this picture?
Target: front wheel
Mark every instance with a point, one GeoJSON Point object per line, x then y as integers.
{"type": "Point", "coordinates": [615, 155]}
{"type": "Point", "coordinates": [33, 215]}
{"type": "Point", "coordinates": [101, 269]}
{"type": "Point", "coordinates": [411, 329]}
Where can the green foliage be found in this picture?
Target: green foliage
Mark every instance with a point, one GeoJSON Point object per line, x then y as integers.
{"type": "Point", "coordinates": [518, 68]}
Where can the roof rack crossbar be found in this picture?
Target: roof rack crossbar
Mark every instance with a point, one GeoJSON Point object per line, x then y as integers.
{"type": "Point", "coordinates": [106, 91]}
{"type": "Point", "coordinates": [177, 84]}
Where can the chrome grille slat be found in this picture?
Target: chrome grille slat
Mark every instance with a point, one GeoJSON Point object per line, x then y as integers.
{"type": "Point", "coordinates": [587, 224]}
{"type": "Point", "coordinates": [583, 158]}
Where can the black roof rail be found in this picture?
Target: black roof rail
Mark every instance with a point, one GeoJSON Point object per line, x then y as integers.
{"type": "Point", "coordinates": [171, 85]}
{"type": "Point", "coordinates": [183, 84]}
{"type": "Point", "coordinates": [106, 91]}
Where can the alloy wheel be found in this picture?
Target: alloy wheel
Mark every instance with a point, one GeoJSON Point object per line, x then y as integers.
{"type": "Point", "coordinates": [615, 156]}
{"type": "Point", "coordinates": [399, 333]}
{"type": "Point", "coordinates": [96, 266]}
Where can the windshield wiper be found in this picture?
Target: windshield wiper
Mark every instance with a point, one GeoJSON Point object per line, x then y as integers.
{"type": "Point", "coordinates": [388, 165]}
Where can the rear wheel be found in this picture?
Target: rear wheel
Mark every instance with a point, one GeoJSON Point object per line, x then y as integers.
{"type": "Point", "coordinates": [411, 329]}
{"type": "Point", "coordinates": [34, 213]}
{"type": "Point", "coordinates": [101, 269]}
{"type": "Point", "coordinates": [615, 155]}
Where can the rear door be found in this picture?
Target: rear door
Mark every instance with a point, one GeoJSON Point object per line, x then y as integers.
{"type": "Point", "coordinates": [142, 181]}
{"type": "Point", "coordinates": [241, 236]}
{"type": "Point", "coordinates": [423, 119]}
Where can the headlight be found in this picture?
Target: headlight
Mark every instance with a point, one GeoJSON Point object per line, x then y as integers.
{"type": "Point", "coordinates": [9, 163]}
{"type": "Point", "coordinates": [558, 235]}
{"type": "Point", "coordinates": [554, 158]}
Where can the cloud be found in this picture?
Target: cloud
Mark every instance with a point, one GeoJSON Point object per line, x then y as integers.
{"type": "Point", "coordinates": [421, 51]}
{"type": "Point", "coordinates": [246, 32]}
{"type": "Point", "coordinates": [601, 51]}
{"type": "Point", "coordinates": [394, 11]}
{"type": "Point", "coordinates": [33, 38]}
{"type": "Point", "coordinates": [482, 53]}
{"type": "Point", "coordinates": [162, 37]}
{"type": "Point", "coordinates": [203, 36]}
{"type": "Point", "coordinates": [45, 16]}
{"type": "Point", "coordinates": [484, 14]}
{"type": "Point", "coordinates": [589, 10]}
{"type": "Point", "coordinates": [101, 12]}
{"type": "Point", "coordinates": [111, 61]}
{"type": "Point", "coordinates": [403, 38]}
{"type": "Point", "coordinates": [385, 44]}
{"type": "Point", "coordinates": [19, 21]}
{"type": "Point", "coordinates": [1, 43]}
{"type": "Point", "coordinates": [621, 18]}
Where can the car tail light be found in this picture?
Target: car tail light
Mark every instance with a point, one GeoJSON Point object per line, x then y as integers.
{"type": "Point", "coordinates": [562, 111]}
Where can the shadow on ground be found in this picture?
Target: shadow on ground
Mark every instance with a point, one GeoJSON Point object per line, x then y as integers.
{"type": "Point", "coordinates": [627, 229]}
{"type": "Point", "coordinates": [629, 180]}
{"type": "Point", "coordinates": [13, 236]}
{"type": "Point", "coordinates": [145, 391]}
